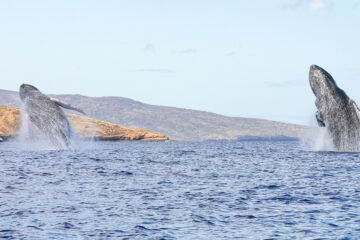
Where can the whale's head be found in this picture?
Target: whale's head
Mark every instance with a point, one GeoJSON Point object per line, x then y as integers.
{"type": "Point", "coordinates": [25, 90]}
{"type": "Point", "coordinates": [321, 82]}
{"type": "Point", "coordinates": [328, 95]}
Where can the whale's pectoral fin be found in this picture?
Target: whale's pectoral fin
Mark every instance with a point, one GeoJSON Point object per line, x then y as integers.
{"type": "Point", "coordinates": [67, 106]}
{"type": "Point", "coordinates": [320, 119]}
{"type": "Point", "coordinates": [356, 108]}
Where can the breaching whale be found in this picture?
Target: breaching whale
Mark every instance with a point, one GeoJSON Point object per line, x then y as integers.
{"type": "Point", "coordinates": [46, 114]}
{"type": "Point", "coordinates": [335, 111]}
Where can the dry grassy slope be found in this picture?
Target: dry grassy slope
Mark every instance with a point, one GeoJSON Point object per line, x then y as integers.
{"type": "Point", "coordinates": [107, 131]}
{"type": "Point", "coordinates": [176, 123]}
{"type": "Point", "coordinates": [83, 126]}
{"type": "Point", "coordinates": [9, 121]}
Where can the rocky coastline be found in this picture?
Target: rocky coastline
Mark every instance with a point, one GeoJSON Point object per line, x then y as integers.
{"type": "Point", "coordinates": [83, 126]}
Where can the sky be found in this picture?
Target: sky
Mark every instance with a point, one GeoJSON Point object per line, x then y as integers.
{"type": "Point", "coordinates": [237, 58]}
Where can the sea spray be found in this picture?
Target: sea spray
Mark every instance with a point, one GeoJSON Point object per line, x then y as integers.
{"type": "Point", "coordinates": [87, 140]}
{"type": "Point", "coordinates": [321, 140]}
{"type": "Point", "coordinates": [29, 137]}
{"type": "Point", "coordinates": [317, 138]}
{"type": "Point", "coordinates": [23, 135]}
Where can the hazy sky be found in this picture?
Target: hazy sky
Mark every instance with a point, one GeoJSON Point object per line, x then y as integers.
{"type": "Point", "coordinates": [238, 58]}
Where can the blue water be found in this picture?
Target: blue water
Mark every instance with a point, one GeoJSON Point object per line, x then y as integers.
{"type": "Point", "coordinates": [209, 190]}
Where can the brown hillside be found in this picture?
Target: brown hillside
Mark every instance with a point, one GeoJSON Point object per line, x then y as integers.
{"type": "Point", "coordinates": [83, 126]}
{"type": "Point", "coordinates": [9, 121]}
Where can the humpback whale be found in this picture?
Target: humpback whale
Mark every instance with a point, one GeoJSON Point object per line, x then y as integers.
{"type": "Point", "coordinates": [335, 111]}
{"type": "Point", "coordinates": [46, 114]}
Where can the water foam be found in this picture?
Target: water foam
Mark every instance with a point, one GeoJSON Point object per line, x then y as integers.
{"type": "Point", "coordinates": [317, 138]}
{"type": "Point", "coordinates": [29, 137]}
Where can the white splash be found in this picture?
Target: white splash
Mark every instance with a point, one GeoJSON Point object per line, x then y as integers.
{"type": "Point", "coordinates": [317, 138]}
{"type": "Point", "coordinates": [29, 137]}
{"type": "Point", "coordinates": [320, 140]}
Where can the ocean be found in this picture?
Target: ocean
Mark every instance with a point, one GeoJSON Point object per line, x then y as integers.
{"type": "Point", "coordinates": [179, 190]}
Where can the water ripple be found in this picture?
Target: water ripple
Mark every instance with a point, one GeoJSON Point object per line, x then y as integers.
{"type": "Point", "coordinates": [210, 190]}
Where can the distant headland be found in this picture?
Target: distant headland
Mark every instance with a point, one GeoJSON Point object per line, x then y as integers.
{"type": "Point", "coordinates": [174, 123]}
